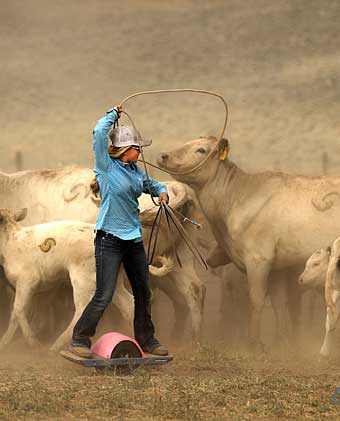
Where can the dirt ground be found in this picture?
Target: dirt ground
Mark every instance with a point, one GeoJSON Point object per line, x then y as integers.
{"type": "Point", "coordinates": [206, 384]}
{"type": "Point", "coordinates": [277, 63]}
{"type": "Point", "coordinates": [219, 379]}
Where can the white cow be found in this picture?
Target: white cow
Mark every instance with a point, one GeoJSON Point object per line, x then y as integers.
{"type": "Point", "coordinates": [261, 222]}
{"type": "Point", "coordinates": [314, 275]}
{"type": "Point", "coordinates": [233, 306]}
{"type": "Point", "coordinates": [322, 272]}
{"type": "Point", "coordinates": [36, 258]}
{"type": "Point", "coordinates": [332, 298]}
{"type": "Point", "coordinates": [50, 195]}
{"type": "Point", "coordinates": [65, 194]}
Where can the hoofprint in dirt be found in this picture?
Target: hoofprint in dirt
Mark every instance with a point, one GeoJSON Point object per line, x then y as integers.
{"type": "Point", "coordinates": [198, 385]}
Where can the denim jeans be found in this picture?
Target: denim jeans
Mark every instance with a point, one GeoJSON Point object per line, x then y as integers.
{"type": "Point", "coordinates": [110, 252]}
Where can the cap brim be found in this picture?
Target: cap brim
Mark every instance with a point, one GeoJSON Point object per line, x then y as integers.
{"type": "Point", "coordinates": [142, 144]}
{"type": "Point", "coordinates": [145, 142]}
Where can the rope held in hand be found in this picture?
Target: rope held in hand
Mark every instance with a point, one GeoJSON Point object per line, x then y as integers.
{"type": "Point", "coordinates": [165, 211]}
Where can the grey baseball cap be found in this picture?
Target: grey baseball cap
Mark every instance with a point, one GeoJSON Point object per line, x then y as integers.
{"type": "Point", "coordinates": [126, 136]}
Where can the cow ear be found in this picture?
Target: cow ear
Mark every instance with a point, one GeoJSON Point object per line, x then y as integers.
{"type": "Point", "coordinates": [223, 149]}
{"type": "Point", "coordinates": [20, 215]}
{"type": "Point", "coordinates": [338, 262]}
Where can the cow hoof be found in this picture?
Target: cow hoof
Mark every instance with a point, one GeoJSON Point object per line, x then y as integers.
{"type": "Point", "coordinates": [325, 351]}
{"type": "Point", "coordinates": [53, 349]}
{"type": "Point", "coordinates": [323, 358]}
{"type": "Point", "coordinates": [57, 346]}
{"type": "Point", "coordinates": [33, 342]}
{"type": "Point", "coordinates": [323, 361]}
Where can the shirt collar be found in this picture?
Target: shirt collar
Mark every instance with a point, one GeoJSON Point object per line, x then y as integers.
{"type": "Point", "coordinates": [126, 165]}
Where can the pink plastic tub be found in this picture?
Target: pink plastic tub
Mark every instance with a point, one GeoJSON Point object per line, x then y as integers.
{"type": "Point", "coordinates": [117, 345]}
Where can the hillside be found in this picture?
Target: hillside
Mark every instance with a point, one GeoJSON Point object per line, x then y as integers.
{"type": "Point", "coordinates": [63, 63]}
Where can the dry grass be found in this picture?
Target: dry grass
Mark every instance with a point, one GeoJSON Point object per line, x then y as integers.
{"type": "Point", "coordinates": [209, 384]}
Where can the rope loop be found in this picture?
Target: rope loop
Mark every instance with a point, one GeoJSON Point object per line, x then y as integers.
{"type": "Point", "coordinates": [165, 211]}
{"type": "Point", "coordinates": [162, 91]}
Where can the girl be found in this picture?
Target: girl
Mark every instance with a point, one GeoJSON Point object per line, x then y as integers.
{"type": "Point", "coordinates": [118, 233]}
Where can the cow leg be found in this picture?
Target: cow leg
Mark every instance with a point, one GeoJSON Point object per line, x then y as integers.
{"type": "Point", "coordinates": [257, 274]}
{"type": "Point", "coordinates": [9, 334]}
{"type": "Point", "coordinates": [196, 304]}
{"type": "Point", "coordinates": [278, 295]}
{"type": "Point", "coordinates": [332, 319]}
{"type": "Point", "coordinates": [41, 318]}
{"type": "Point", "coordinates": [295, 305]}
{"type": "Point", "coordinates": [182, 313]}
{"type": "Point", "coordinates": [178, 298]}
{"type": "Point", "coordinates": [193, 291]}
{"type": "Point", "coordinates": [83, 290]}
{"type": "Point", "coordinates": [6, 301]}
{"type": "Point", "coordinates": [234, 306]}
{"type": "Point", "coordinates": [227, 310]}
{"type": "Point", "coordinates": [22, 302]}
{"type": "Point", "coordinates": [63, 308]}
{"type": "Point", "coordinates": [176, 289]}
{"type": "Point", "coordinates": [230, 311]}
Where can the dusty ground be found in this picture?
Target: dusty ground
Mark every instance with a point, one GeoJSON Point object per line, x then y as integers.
{"type": "Point", "coordinates": [208, 384]}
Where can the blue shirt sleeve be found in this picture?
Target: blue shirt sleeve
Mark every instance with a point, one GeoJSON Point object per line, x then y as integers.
{"type": "Point", "coordinates": [156, 188]}
{"type": "Point", "coordinates": [101, 154]}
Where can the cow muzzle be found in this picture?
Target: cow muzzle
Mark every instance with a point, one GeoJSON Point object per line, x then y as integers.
{"type": "Point", "coordinates": [162, 158]}
{"type": "Point", "coordinates": [300, 280]}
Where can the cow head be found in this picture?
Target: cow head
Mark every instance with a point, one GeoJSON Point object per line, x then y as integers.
{"type": "Point", "coordinates": [314, 275]}
{"type": "Point", "coordinates": [190, 155]}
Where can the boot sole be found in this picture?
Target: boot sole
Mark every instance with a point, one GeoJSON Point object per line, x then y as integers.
{"type": "Point", "coordinates": [81, 353]}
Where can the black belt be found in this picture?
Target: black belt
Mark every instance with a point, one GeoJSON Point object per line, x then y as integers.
{"type": "Point", "coordinates": [101, 234]}
{"type": "Point", "coordinates": [104, 234]}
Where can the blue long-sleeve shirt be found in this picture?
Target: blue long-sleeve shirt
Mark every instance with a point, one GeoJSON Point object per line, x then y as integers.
{"type": "Point", "coordinates": [120, 186]}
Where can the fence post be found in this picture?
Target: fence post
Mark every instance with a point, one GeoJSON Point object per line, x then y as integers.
{"type": "Point", "coordinates": [18, 161]}
{"type": "Point", "coordinates": [325, 163]}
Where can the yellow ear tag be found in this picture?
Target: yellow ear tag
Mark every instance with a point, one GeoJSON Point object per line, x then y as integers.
{"type": "Point", "coordinates": [224, 154]}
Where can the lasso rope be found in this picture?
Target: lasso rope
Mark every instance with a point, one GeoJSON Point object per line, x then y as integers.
{"type": "Point", "coordinates": [168, 214]}
{"type": "Point", "coordinates": [161, 91]}
{"type": "Point", "coordinates": [164, 209]}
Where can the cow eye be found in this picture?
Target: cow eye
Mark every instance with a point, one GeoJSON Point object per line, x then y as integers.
{"type": "Point", "coordinates": [201, 150]}
{"type": "Point", "coordinates": [316, 264]}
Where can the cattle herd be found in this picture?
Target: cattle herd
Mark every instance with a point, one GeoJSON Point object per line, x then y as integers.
{"type": "Point", "coordinates": [279, 230]}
